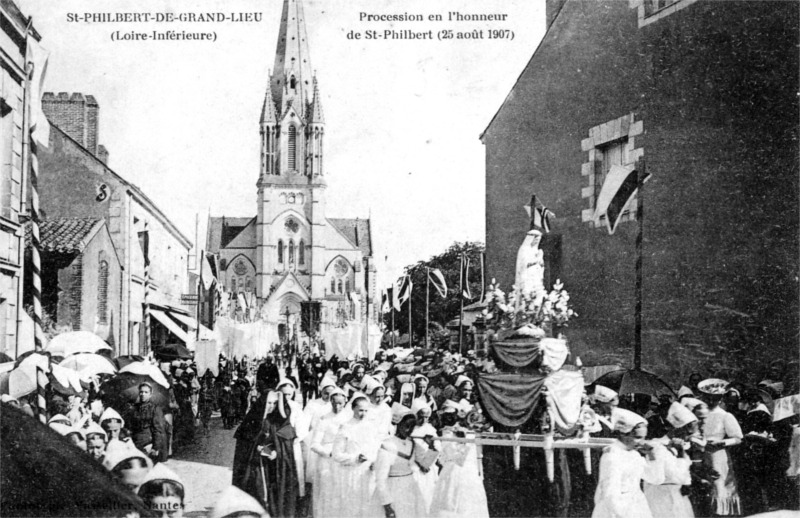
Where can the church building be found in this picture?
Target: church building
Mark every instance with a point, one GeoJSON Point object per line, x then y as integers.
{"type": "Point", "coordinates": [292, 250]}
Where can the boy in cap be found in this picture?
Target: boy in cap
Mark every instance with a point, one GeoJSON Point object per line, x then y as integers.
{"type": "Point", "coordinates": [147, 425]}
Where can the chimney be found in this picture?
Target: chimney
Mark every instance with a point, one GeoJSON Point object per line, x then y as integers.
{"type": "Point", "coordinates": [552, 7]}
{"type": "Point", "coordinates": [92, 109]}
{"type": "Point", "coordinates": [102, 154]}
{"type": "Point", "coordinates": [78, 117]}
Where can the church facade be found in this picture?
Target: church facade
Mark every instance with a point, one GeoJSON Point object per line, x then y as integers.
{"type": "Point", "coordinates": [292, 251]}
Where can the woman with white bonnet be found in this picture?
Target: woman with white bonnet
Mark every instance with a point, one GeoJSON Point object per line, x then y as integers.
{"type": "Point", "coordinates": [96, 439]}
{"type": "Point", "coordinates": [421, 383]}
{"type": "Point", "coordinates": [126, 463]}
{"type": "Point", "coordinates": [315, 409]}
{"type": "Point", "coordinates": [622, 469]}
{"type": "Point", "coordinates": [354, 451]}
{"type": "Point", "coordinates": [722, 431]}
{"type": "Point", "coordinates": [163, 492]}
{"type": "Point", "coordinates": [112, 423]}
{"type": "Point", "coordinates": [235, 503]}
{"type": "Point", "coordinates": [395, 488]}
{"type": "Point", "coordinates": [324, 483]}
{"type": "Point", "coordinates": [465, 387]}
{"type": "Point", "coordinates": [423, 435]}
{"type": "Point", "coordinates": [459, 491]}
{"type": "Point", "coordinates": [667, 499]}
{"type": "Point", "coordinates": [380, 414]}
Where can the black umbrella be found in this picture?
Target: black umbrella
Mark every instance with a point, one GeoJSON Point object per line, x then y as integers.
{"type": "Point", "coordinates": [123, 389]}
{"type": "Point", "coordinates": [632, 381]}
{"type": "Point", "coordinates": [172, 352]}
{"type": "Point", "coordinates": [121, 361]}
{"type": "Point", "coordinates": [4, 358]}
{"type": "Point", "coordinates": [44, 474]}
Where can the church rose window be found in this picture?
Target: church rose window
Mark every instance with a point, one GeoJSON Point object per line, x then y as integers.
{"type": "Point", "coordinates": [240, 268]}
{"type": "Point", "coordinates": [341, 268]}
{"type": "Point", "coordinates": [292, 225]}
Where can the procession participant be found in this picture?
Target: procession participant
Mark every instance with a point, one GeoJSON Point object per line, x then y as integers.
{"type": "Point", "coordinates": [354, 450]}
{"type": "Point", "coordinates": [112, 423]}
{"type": "Point", "coordinates": [96, 439]}
{"type": "Point", "coordinates": [207, 401]}
{"type": "Point", "coordinates": [235, 503]}
{"type": "Point", "coordinates": [604, 401]}
{"type": "Point", "coordinates": [96, 408]}
{"type": "Point", "coordinates": [669, 499]}
{"type": "Point", "coordinates": [703, 475]}
{"type": "Point", "coordinates": [421, 383]}
{"type": "Point", "coordinates": [76, 410]}
{"type": "Point", "coordinates": [267, 470]}
{"type": "Point", "coordinates": [683, 392]}
{"type": "Point", "coordinates": [459, 491]}
{"type": "Point", "coordinates": [300, 423]}
{"type": "Point", "coordinates": [395, 487]}
{"type": "Point", "coordinates": [267, 376]}
{"type": "Point", "coordinates": [147, 425]}
{"type": "Point", "coordinates": [423, 436]}
{"type": "Point", "coordinates": [380, 414]}
{"type": "Point", "coordinates": [324, 481]}
{"type": "Point", "coordinates": [757, 459]}
{"type": "Point", "coordinates": [694, 379]}
{"type": "Point", "coordinates": [75, 435]}
{"type": "Point", "coordinates": [657, 423]}
{"type": "Point", "coordinates": [127, 464]}
{"type": "Point", "coordinates": [622, 469]}
{"type": "Point", "coordinates": [59, 419]}
{"type": "Point", "coordinates": [405, 396]}
{"type": "Point", "coordinates": [465, 387]}
{"type": "Point", "coordinates": [163, 492]}
{"type": "Point", "coordinates": [226, 406]}
{"type": "Point", "coordinates": [722, 431]}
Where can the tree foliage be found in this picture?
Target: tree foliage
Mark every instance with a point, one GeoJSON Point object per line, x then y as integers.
{"type": "Point", "coordinates": [441, 310]}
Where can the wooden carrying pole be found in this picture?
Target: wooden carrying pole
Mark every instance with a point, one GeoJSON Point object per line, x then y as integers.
{"type": "Point", "coordinates": [427, 305]}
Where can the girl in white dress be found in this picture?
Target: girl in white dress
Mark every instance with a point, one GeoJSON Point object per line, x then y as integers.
{"type": "Point", "coordinates": [459, 491]}
{"type": "Point", "coordinates": [423, 433]}
{"type": "Point", "coordinates": [354, 451]}
{"type": "Point", "coordinates": [395, 488]}
{"type": "Point", "coordinates": [622, 469]}
{"type": "Point", "coordinates": [667, 500]}
{"type": "Point", "coordinates": [324, 484]}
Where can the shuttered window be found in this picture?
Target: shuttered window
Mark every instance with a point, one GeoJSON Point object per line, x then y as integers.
{"type": "Point", "coordinates": [292, 148]}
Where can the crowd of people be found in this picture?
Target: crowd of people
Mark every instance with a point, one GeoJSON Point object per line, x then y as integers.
{"type": "Point", "coordinates": [377, 438]}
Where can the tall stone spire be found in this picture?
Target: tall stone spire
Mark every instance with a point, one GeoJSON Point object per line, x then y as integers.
{"type": "Point", "coordinates": [291, 82]}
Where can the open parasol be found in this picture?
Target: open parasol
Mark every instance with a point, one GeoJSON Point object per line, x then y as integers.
{"type": "Point", "coordinates": [44, 474]}
{"type": "Point", "coordinates": [632, 381]}
{"type": "Point", "coordinates": [172, 352]}
{"type": "Point", "coordinates": [147, 369]}
{"type": "Point", "coordinates": [75, 342]}
{"type": "Point", "coordinates": [89, 364]}
{"type": "Point", "coordinates": [122, 361]}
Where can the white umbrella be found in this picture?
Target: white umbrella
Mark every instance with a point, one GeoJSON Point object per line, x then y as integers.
{"type": "Point", "coordinates": [89, 364]}
{"type": "Point", "coordinates": [20, 383]}
{"type": "Point", "coordinates": [68, 378]}
{"type": "Point", "coordinates": [75, 342]}
{"type": "Point", "coordinates": [146, 369]}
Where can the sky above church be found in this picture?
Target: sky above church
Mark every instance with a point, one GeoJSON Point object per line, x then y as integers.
{"type": "Point", "coordinates": [403, 117]}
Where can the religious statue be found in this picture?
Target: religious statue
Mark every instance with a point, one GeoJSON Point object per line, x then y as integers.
{"type": "Point", "coordinates": [529, 279]}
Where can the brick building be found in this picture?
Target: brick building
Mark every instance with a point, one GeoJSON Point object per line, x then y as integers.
{"type": "Point", "coordinates": [76, 182]}
{"type": "Point", "coordinates": [14, 128]}
{"type": "Point", "coordinates": [81, 277]}
{"type": "Point", "coordinates": [706, 93]}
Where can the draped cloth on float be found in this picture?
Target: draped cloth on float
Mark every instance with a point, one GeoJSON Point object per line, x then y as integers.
{"type": "Point", "coordinates": [518, 353]}
{"type": "Point", "coordinates": [511, 399]}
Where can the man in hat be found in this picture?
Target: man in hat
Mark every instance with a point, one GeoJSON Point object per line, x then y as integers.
{"type": "Point", "coordinates": [147, 425]}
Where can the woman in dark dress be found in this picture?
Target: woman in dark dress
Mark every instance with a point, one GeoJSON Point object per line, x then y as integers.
{"type": "Point", "coordinates": [263, 463]}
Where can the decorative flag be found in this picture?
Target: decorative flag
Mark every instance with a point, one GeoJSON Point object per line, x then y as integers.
{"type": "Point", "coordinates": [619, 187]}
{"type": "Point", "coordinates": [404, 290]}
{"type": "Point", "coordinates": [385, 301]}
{"type": "Point", "coordinates": [465, 291]}
{"type": "Point", "coordinates": [392, 295]}
{"type": "Point", "coordinates": [542, 218]}
{"type": "Point", "coordinates": [437, 279]}
{"type": "Point", "coordinates": [37, 57]}
{"type": "Point", "coordinates": [206, 274]}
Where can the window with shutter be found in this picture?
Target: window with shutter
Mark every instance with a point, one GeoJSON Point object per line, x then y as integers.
{"type": "Point", "coordinates": [102, 293]}
{"type": "Point", "coordinates": [292, 148]}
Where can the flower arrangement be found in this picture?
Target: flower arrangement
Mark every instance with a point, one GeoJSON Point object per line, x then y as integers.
{"type": "Point", "coordinates": [517, 310]}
